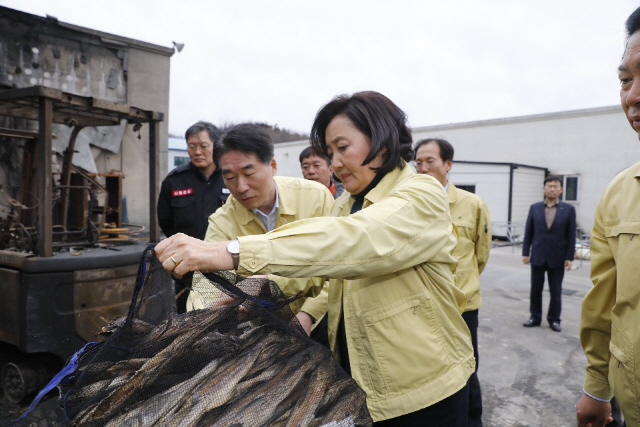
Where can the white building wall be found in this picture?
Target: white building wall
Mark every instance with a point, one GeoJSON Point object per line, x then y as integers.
{"type": "Point", "coordinates": [492, 185]}
{"type": "Point", "coordinates": [527, 190]}
{"type": "Point", "coordinates": [595, 144]}
{"type": "Point", "coordinates": [287, 156]}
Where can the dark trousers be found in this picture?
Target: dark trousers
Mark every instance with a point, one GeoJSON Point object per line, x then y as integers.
{"type": "Point", "coordinates": [450, 412]}
{"type": "Point", "coordinates": [475, 396]}
{"type": "Point", "coordinates": [554, 276]}
{"type": "Point", "coordinates": [320, 333]}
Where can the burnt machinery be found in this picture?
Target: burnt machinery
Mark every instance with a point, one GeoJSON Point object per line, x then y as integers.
{"type": "Point", "coordinates": [59, 283]}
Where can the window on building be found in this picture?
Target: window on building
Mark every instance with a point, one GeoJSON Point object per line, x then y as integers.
{"type": "Point", "coordinates": [179, 160]}
{"type": "Point", "coordinates": [471, 188]}
{"type": "Point", "coordinates": [570, 187]}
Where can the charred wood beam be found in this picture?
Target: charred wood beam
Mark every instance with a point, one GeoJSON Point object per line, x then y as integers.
{"type": "Point", "coordinates": [43, 150]}
{"type": "Point", "coordinates": [154, 155]}
{"type": "Point", "coordinates": [17, 133]}
{"type": "Point", "coordinates": [66, 173]}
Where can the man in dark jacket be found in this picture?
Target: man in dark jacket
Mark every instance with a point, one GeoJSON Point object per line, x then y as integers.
{"type": "Point", "coordinates": [550, 237]}
{"type": "Point", "coordinates": [193, 191]}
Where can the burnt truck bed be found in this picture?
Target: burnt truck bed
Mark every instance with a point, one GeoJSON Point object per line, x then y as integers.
{"type": "Point", "coordinates": [51, 306]}
{"type": "Point", "coordinates": [56, 304]}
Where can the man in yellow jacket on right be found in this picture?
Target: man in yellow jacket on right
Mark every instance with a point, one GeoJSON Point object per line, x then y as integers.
{"type": "Point", "coordinates": [611, 310]}
{"type": "Point", "coordinates": [470, 215]}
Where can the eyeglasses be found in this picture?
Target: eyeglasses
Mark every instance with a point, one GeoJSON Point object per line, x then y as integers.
{"type": "Point", "coordinates": [202, 147]}
{"type": "Point", "coordinates": [430, 162]}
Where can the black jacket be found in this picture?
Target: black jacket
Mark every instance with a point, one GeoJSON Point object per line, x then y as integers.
{"type": "Point", "coordinates": [550, 245]}
{"type": "Point", "coordinates": [187, 198]}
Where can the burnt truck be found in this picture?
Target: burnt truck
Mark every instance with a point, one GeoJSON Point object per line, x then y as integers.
{"type": "Point", "coordinates": [68, 255]}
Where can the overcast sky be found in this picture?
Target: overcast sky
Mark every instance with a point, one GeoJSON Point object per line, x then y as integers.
{"type": "Point", "coordinates": [441, 62]}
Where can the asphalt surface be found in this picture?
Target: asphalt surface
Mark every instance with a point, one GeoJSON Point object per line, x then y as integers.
{"type": "Point", "coordinates": [529, 376]}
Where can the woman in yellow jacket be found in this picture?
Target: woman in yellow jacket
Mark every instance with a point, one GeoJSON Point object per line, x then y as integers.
{"type": "Point", "coordinates": [394, 312]}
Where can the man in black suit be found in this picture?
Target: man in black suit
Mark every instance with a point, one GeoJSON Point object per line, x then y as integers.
{"type": "Point", "coordinates": [550, 236]}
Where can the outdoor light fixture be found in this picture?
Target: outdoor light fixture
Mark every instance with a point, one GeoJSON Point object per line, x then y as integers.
{"type": "Point", "coordinates": [178, 46]}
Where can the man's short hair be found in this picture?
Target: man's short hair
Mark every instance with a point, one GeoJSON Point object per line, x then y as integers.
{"type": "Point", "coordinates": [446, 149]}
{"type": "Point", "coordinates": [309, 151]}
{"type": "Point", "coordinates": [633, 23]}
{"type": "Point", "coordinates": [551, 178]}
{"type": "Point", "coordinates": [212, 130]}
{"type": "Point", "coordinates": [247, 138]}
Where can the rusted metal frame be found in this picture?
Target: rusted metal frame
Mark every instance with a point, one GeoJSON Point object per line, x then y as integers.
{"type": "Point", "coordinates": [90, 177]}
{"type": "Point", "coordinates": [25, 112]}
{"type": "Point", "coordinates": [17, 133]}
{"type": "Point", "coordinates": [144, 116]}
{"type": "Point", "coordinates": [30, 103]}
{"type": "Point", "coordinates": [25, 99]}
{"type": "Point", "coordinates": [29, 92]}
{"type": "Point", "coordinates": [100, 188]}
{"type": "Point", "coordinates": [103, 104]}
{"type": "Point", "coordinates": [43, 149]}
{"type": "Point", "coordinates": [154, 155]}
{"type": "Point", "coordinates": [66, 173]}
{"type": "Point", "coordinates": [63, 112]}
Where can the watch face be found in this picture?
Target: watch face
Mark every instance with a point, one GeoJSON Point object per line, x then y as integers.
{"type": "Point", "coordinates": [233, 247]}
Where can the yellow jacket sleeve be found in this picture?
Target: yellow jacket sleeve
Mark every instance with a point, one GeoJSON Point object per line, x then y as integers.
{"type": "Point", "coordinates": [483, 233]}
{"type": "Point", "coordinates": [595, 324]}
{"type": "Point", "coordinates": [318, 306]}
{"type": "Point", "coordinates": [408, 227]}
{"type": "Point", "coordinates": [298, 199]}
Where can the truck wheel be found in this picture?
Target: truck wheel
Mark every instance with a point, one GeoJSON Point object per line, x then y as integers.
{"type": "Point", "coordinates": [20, 380]}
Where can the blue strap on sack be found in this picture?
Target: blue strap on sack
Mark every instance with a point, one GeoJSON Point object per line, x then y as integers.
{"type": "Point", "coordinates": [73, 363]}
{"type": "Point", "coordinates": [67, 370]}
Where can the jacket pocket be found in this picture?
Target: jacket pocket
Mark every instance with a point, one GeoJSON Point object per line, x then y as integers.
{"type": "Point", "coordinates": [466, 237]}
{"type": "Point", "coordinates": [623, 240]}
{"type": "Point", "coordinates": [622, 370]}
{"type": "Point", "coordinates": [184, 211]}
{"type": "Point", "coordinates": [401, 350]}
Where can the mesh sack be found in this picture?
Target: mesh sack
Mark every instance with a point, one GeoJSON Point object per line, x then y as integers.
{"type": "Point", "coordinates": [243, 360]}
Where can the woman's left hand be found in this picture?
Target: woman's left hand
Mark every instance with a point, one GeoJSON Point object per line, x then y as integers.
{"type": "Point", "coordinates": [181, 254]}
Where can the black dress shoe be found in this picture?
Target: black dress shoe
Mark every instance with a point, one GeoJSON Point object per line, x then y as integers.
{"type": "Point", "coordinates": [555, 326]}
{"type": "Point", "coordinates": [530, 323]}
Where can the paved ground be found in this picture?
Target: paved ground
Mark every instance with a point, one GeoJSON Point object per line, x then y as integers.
{"type": "Point", "coordinates": [529, 376]}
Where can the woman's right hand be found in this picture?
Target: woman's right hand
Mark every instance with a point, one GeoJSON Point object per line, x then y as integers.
{"type": "Point", "coordinates": [181, 254]}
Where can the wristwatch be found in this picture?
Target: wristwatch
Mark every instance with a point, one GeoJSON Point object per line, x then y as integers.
{"type": "Point", "coordinates": [233, 247]}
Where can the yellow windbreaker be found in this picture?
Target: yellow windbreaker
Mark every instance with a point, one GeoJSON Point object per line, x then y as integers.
{"type": "Point", "coordinates": [611, 310]}
{"type": "Point", "coordinates": [298, 199]}
{"type": "Point", "coordinates": [392, 268]}
{"type": "Point", "coordinates": [471, 216]}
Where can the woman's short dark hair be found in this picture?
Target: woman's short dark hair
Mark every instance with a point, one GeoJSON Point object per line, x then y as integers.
{"type": "Point", "coordinates": [247, 138]}
{"type": "Point", "coordinates": [446, 149]}
{"type": "Point", "coordinates": [212, 130]}
{"type": "Point", "coordinates": [376, 116]}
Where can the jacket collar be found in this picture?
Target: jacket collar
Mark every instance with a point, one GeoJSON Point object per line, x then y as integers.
{"type": "Point", "coordinates": [380, 191]}
{"type": "Point", "coordinates": [287, 206]}
{"type": "Point", "coordinates": [452, 194]}
{"type": "Point", "coordinates": [198, 173]}
{"type": "Point", "coordinates": [387, 184]}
